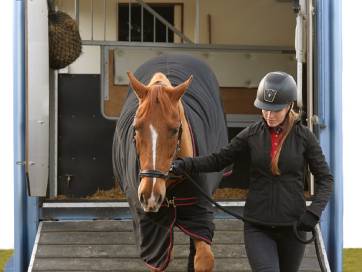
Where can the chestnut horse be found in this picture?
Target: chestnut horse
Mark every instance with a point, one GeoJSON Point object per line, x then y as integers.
{"type": "Point", "coordinates": [161, 132]}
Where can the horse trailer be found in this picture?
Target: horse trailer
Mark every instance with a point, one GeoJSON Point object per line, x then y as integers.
{"type": "Point", "coordinates": [70, 212]}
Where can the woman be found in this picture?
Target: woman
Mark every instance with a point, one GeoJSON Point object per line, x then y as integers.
{"type": "Point", "coordinates": [280, 148]}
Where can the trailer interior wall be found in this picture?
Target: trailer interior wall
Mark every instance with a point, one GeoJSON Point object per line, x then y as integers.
{"type": "Point", "coordinates": [257, 22]}
{"type": "Point", "coordinates": [268, 32]}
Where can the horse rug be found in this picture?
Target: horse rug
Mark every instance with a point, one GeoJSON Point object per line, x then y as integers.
{"type": "Point", "coordinates": [184, 207]}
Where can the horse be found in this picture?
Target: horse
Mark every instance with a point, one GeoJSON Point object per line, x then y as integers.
{"type": "Point", "coordinates": [173, 109]}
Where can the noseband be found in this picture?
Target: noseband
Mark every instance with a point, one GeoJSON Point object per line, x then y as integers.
{"type": "Point", "coordinates": [156, 173]}
{"type": "Point", "coordinates": [153, 174]}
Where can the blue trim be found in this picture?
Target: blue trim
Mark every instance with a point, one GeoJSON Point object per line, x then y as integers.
{"type": "Point", "coordinates": [336, 135]}
{"type": "Point", "coordinates": [323, 30]}
{"type": "Point", "coordinates": [9, 266]}
{"type": "Point", "coordinates": [330, 110]}
{"type": "Point", "coordinates": [26, 217]}
{"type": "Point", "coordinates": [19, 141]}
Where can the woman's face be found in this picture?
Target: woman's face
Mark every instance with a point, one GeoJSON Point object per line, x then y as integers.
{"type": "Point", "coordinates": [275, 118]}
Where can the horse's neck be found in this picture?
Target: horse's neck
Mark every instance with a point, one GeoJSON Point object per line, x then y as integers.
{"type": "Point", "coordinates": [186, 147]}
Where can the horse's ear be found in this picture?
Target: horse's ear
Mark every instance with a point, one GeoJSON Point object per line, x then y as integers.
{"type": "Point", "coordinates": [180, 89]}
{"type": "Point", "coordinates": [139, 88]}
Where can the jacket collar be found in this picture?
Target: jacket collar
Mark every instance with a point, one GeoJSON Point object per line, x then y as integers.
{"type": "Point", "coordinates": [278, 129]}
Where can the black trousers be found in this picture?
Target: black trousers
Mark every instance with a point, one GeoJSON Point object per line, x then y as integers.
{"type": "Point", "coordinates": [273, 249]}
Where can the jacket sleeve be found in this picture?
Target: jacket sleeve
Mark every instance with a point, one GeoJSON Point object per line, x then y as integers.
{"type": "Point", "coordinates": [322, 177]}
{"type": "Point", "coordinates": [217, 161]}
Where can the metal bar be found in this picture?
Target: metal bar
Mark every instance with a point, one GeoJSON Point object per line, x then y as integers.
{"type": "Point", "coordinates": [119, 204]}
{"type": "Point", "coordinates": [162, 20]}
{"type": "Point", "coordinates": [117, 20]}
{"type": "Point", "coordinates": [85, 205]}
{"type": "Point", "coordinates": [35, 248]}
{"type": "Point", "coordinates": [142, 23]}
{"type": "Point", "coordinates": [310, 65]}
{"type": "Point", "coordinates": [300, 52]}
{"type": "Point", "coordinates": [209, 28]}
{"type": "Point", "coordinates": [166, 34]}
{"type": "Point", "coordinates": [241, 203]}
{"type": "Point", "coordinates": [197, 22]}
{"type": "Point", "coordinates": [322, 249]}
{"type": "Point", "coordinates": [76, 11]}
{"type": "Point", "coordinates": [218, 47]}
{"type": "Point", "coordinates": [20, 197]}
{"type": "Point", "coordinates": [154, 29]}
{"type": "Point", "coordinates": [92, 20]}
{"type": "Point", "coordinates": [129, 20]}
{"type": "Point", "coordinates": [104, 74]}
{"type": "Point", "coordinates": [104, 19]}
{"type": "Point", "coordinates": [105, 79]}
{"type": "Point", "coordinates": [53, 134]}
{"type": "Point", "coordinates": [310, 108]}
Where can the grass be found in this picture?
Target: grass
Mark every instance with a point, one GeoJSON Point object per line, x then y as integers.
{"type": "Point", "coordinates": [4, 257]}
{"type": "Point", "coordinates": [352, 259]}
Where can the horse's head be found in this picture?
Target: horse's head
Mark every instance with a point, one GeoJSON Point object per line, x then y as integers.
{"type": "Point", "coordinates": [157, 127]}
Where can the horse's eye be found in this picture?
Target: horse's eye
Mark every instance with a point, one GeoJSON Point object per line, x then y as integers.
{"type": "Point", "coordinates": [137, 128]}
{"type": "Point", "coordinates": [174, 131]}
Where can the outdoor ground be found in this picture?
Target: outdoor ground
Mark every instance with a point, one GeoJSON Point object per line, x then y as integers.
{"type": "Point", "coordinates": [4, 257]}
{"type": "Point", "coordinates": [352, 259]}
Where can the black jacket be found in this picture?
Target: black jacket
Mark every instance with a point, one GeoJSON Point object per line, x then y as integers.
{"type": "Point", "coordinates": [275, 200]}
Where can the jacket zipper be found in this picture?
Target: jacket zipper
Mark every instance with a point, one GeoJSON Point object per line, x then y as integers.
{"type": "Point", "coordinates": [272, 199]}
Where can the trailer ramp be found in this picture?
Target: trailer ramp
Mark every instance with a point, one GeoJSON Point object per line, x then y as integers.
{"type": "Point", "coordinates": [109, 245]}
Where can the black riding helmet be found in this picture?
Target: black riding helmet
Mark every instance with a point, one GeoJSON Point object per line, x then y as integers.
{"type": "Point", "coordinates": [276, 91]}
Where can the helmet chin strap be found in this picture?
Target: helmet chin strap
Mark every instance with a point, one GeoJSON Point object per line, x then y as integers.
{"type": "Point", "coordinates": [285, 117]}
{"type": "Point", "coordinates": [290, 108]}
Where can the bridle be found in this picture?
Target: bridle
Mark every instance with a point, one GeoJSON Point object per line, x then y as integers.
{"type": "Point", "coordinates": [154, 173]}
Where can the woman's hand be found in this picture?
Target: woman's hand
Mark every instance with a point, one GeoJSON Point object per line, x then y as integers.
{"type": "Point", "coordinates": [178, 167]}
{"type": "Point", "coordinates": [181, 165]}
{"type": "Point", "coordinates": [307, 221]}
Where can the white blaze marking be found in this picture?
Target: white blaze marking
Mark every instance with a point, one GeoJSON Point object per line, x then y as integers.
{"type": "Point", "coordinates": [152, 199]}
{"type": "Point", "coordinates": [154, 136]}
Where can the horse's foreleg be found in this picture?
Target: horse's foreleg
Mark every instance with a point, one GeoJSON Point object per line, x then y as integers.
{"type": "Point", "coordinates": [204, 258]}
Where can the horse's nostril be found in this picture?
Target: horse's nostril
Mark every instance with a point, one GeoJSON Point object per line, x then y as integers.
{"type": "Point", "coordinates": [159, 200]}
{"type": "Point", "coordinates": [142, 199]}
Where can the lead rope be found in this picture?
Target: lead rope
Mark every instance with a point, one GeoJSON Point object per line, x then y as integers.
{"type": "Point", "coordinates": [240, 217]}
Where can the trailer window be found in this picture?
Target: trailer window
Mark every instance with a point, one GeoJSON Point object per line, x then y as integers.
{"type": "Point", "coordinates": [151, 30]}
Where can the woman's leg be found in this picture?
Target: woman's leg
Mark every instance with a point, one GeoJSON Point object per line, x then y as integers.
{"type": "Point", "coordinates": [290, 250]}
{"type": "Point", "coordinates": [261, 248]}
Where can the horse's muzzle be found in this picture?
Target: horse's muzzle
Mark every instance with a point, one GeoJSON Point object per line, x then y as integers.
{"type": "Point", "coordinates": [151, 193]}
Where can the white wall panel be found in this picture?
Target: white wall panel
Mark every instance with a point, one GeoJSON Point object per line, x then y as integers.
{"type": "Point", "coordinates": [37, 91]}
{"type": "Point", "coordinates": [232, 69]}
